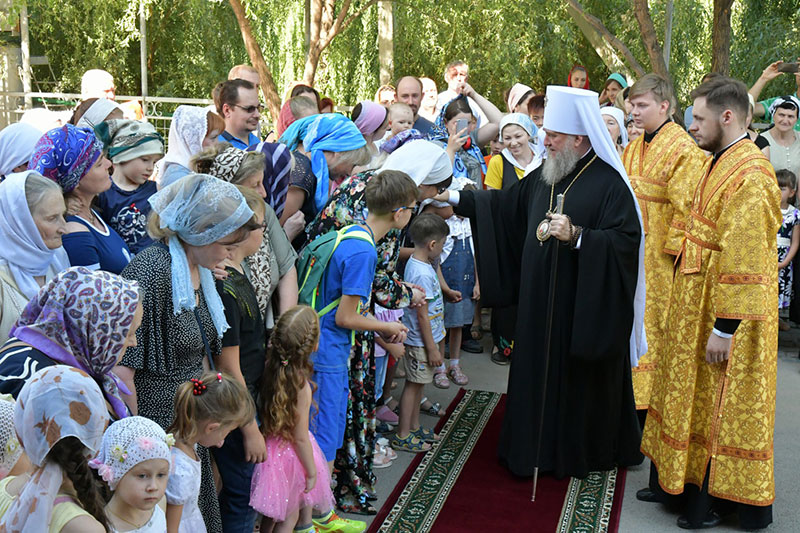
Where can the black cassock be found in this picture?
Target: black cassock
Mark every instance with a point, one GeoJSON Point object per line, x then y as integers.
{"type": "Point", "coordinates": [590, 418]}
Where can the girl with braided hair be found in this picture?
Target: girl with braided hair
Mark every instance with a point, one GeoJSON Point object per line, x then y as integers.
{"type": "Point", "coordinates": [295, 479]}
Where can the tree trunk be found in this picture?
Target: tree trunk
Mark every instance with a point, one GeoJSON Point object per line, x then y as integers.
{"type": "Point", "coordinates": [650, 39]}
{"type": "Point", "coordinates": [606, 44]}
{"type": "Point", "coordinates": [386, 41]}
{"type": "Point", "coordinates": [257, 59]}
{"type": "Point", "coordinates": [721, 37]}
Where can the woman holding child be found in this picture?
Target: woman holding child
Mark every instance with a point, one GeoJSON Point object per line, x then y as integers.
{"type": "Point", "coordinates": [431, 169]}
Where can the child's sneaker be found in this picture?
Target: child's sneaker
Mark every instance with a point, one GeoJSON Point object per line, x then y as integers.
{"type": "Point", "coordinates": [332, 522]}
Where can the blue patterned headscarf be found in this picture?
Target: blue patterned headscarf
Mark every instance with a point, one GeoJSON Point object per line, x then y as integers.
{"type": "Point", "coordinates": [440, 133]}
{"type": "Point", "coordinates": [296, 132]}
{"type": "Point", "coordinates": [65, 155]}
{"type": "Point", "coordinates": [277, 167]}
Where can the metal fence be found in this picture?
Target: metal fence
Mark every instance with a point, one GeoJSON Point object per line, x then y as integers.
{"type": "Point", "coordinates": [158, 110]}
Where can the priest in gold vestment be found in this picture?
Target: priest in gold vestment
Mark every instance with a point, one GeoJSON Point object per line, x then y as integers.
{"type": "Point", "coordinates": [664, 165]}
{"type": "Point", "coordinates": [710, 423]}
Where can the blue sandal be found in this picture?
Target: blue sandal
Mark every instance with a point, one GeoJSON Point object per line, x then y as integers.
{"type": "Point", "coordinates": [425, 435]}
{"type": "Point", "coordinates": [412, 443]}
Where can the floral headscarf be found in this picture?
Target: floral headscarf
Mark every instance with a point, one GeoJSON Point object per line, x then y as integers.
{"type": "Point", "coordinates": [440, 133]}
{"type": "Point", "coordinates": [128, 442]}
{"type": "Point", "coordinates": [57, 402]}
{"type": "Point", "coordinates": [65, 155]}
{"type": "Point", "coordinates": [81, 318]}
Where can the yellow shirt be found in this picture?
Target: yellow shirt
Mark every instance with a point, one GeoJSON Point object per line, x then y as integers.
{"type": "Point", "coordinates": [494, 173]}
{"type": "Point", "coordinates": [63, 512]}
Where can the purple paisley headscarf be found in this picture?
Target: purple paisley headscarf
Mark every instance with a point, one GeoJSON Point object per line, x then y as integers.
{"type": "Point", "coordinates": [81, 318]}
{"type": "Point", "coordinates": [65, 155]}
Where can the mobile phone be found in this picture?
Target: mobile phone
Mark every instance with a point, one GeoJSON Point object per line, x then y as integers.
{"type": "Point", "coordinates": [461, 124]}
{"type": "Point", "coordinates": [790, 68]}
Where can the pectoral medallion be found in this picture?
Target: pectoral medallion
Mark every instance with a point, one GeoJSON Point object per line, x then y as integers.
{"type": "Point", "coordinates": [543, 231]}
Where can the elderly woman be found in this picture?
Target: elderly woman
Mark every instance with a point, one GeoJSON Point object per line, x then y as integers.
{"type": "Point", "coordinates": [82, 318]}
{"type": "Point", "coordinates": [192, 130]}
{"type": "Point", "coordinates": [614, 119]}
{"type": "Point", "coordinates": [17, 142]}
{"type": "Point", "coordinates": [784, 141]}
{"type": "Point", "coordinates": [272, 267]}
{"type": "Point", "coordinates": [195, 221]}
{"type": "Point", "coordinates": [520, 156]}
{"type": "Point", "coordinates": [431, 169]}
{"type": "Point", "coordinates": [326, 148]}
{"type": "Point", "coordinates": [31, 254]}
{"type": "Point", "coordinates": [73, 158]}
{"type": "Point", "coordinates": [456, 130]}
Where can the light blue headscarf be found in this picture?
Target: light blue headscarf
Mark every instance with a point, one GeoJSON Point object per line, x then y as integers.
{"type": "Point", "coordinates": [200, 209]}
{"type": "Point", "coordinates": [329, 132]}
{"type": "Point", "coordinates": [296, 132]}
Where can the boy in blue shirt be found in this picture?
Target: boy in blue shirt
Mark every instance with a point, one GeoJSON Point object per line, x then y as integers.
{"type": "Point", "coordinates": [391, 196]}
{"type": "Point", "coordinates": [425, 325]}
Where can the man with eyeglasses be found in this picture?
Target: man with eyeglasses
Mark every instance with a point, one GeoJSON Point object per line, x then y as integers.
{"type": "Point", "coordinates": [238, 104]}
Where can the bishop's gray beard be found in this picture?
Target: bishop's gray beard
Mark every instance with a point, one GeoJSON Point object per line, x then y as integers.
{"type": "Point", "coordinates": [559, 164]}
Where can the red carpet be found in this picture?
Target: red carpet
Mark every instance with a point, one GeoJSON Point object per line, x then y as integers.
{"type": "Point", "coordinates": [485, 496]}
{"type": "Point", "coordinates": [488, 493]}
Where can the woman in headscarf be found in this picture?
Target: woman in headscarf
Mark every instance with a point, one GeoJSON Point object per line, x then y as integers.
{"type": "Point", "coordinates": [294, 109]}
{"type": "Point", "coordinates": [371, 119]}
{"type": "Point", "coordinates": [272, 267]}
{"type": "Point", "coordinates": [194, 221]}
{"type": "Point", "coordinates": [326, 148]}
{"type": "Point", "coordinates": [578, 77]}
{"type": "Point", "coordinates": [784, 141]}
{"type": "Point", "coordinates": [613, 85]}
{"type": "Point", "coordinates": [32, 253]}
{"type": "Point", "coordinates": [520, 156]}
{"type": "Point", "coordinates": [431, 169]}
{"type": "Point", "coordinates": [73, 158]}
{"type": "Point", "coordinates": [456, 130]}
{"type": "Point", "coordinates": [17, 143]}
{"type": "Point", "coordinates": [82, 318]}
{"type": "Point", "coordinates": [93, 111]}
{"type": "Point", "coordinates": [517, 99]}
{"type": "Point", "coordinates": [192, 130]}
{"type": "Point", "coordinates": [278, 163]}
{"type": "Point", "coordinates": [614, 119]}
{"type": "Point", "coordinates": [60, 419]}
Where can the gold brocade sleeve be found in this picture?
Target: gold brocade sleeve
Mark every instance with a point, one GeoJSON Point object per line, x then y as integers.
{"type": "Point", "coordinates": [687, 173]}
{"type": "Point", "coordinates": [748, 261]}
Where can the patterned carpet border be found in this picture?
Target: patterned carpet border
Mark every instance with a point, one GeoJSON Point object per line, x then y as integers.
{"type": "Point", "coordinates": [588, 503]}
{"type": "Point", "coordinates": [426, 492]}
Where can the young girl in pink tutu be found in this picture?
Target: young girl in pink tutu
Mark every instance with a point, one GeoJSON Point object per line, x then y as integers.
{"type": "Point", "coordinates": [294, 481]}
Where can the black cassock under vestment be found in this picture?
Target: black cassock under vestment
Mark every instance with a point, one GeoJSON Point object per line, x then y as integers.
{"type": "Point", "coordinates": [590, 418]}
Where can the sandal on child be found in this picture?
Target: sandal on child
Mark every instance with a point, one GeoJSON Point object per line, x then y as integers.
{"type": "Point", "coordinates": [425, 434]}
{"type": "Point", "coordinates": [440, 380]}
{"type": "Point", "coordinates": [411, 443]}
{"type": "Point", "coordinates": [457, 376]}
{"type": "Point", "coordinates": [382, 446]}
{"type": "Point", "coordinates": [380, 459]}
{"type": "Point", "coordinates": [432, 409]}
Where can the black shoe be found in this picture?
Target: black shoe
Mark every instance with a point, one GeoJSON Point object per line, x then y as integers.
{"type": "Point", "coordinates": [471, 346]}
{"type": "Point", "coordinates": [500, 359]}
{"type": "Point", "coordinates": [647, 495]}
{"type": "Point", "coordinates": [712, 519]}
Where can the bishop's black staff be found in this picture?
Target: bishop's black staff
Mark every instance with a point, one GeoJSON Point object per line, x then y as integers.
{"type": "Point", "coordinates": [548, 334]}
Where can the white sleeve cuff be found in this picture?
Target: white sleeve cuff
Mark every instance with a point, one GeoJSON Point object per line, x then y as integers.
{"type": "Point", "coordinates": [721, 335]}
{"type": "Point", "coordinates": [578, 244]}
{"type": "Point", "coordinates": [455, 197]}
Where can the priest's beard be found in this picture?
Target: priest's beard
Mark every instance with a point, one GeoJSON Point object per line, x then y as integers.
{"type": "Point", "coordinates": [559, 164]}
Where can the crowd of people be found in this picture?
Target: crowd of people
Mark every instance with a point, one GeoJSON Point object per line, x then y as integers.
{"type": "Point", "coordinates": [202, 333]}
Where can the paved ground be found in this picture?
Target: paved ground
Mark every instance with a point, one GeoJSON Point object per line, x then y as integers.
{"type": "Point", "coordinates": [637, 516]}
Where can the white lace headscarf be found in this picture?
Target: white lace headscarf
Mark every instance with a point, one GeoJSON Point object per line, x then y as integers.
{"type": "Point", "coordinates": [128, 442]}
{"type": "Point", "coordinates": [200, 209]}
{"type": "Point", "coordinates": [186, 133]}
{"type": "Point", "coordinates": [10, 448]}
{"type": "Point", "coordinates": [57, 402]}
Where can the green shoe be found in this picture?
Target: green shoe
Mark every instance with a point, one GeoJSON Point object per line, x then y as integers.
{"type": "Point", "coordinates": [338, 524]}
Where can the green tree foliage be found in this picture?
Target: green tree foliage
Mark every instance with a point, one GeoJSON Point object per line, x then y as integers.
{"type": "Point", "coordinates": [193, 43]}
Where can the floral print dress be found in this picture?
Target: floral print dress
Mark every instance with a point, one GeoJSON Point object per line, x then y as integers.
{"type": "Point", "coordinates": [791, 218]}
{"type": "Point", "coordinates": [355, 480]}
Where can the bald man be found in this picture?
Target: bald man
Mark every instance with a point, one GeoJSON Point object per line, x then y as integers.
{"type": "Point", "coordinates": [245, 72]}
{"type": "Point", "coordinates": [409, 91]}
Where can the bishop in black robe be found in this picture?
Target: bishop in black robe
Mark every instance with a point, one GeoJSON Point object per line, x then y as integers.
{"type": "Point", "coordinates": [589, 419]}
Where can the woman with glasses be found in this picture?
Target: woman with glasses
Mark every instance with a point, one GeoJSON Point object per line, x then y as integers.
{"type": "Point", "coordinates": [431, 169]}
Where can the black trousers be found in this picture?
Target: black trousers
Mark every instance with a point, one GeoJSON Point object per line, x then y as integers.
{"type": "Point", "coordinates": [697, 502]}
